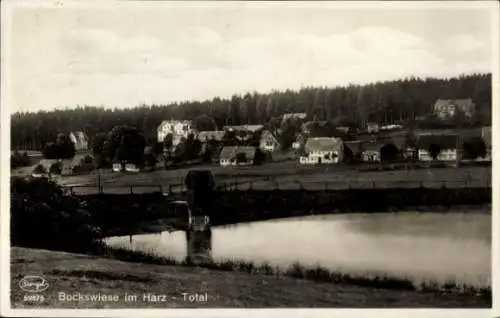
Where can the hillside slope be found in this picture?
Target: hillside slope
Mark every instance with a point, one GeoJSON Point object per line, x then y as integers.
{"type": "Point", "coordinates": [74, 273]}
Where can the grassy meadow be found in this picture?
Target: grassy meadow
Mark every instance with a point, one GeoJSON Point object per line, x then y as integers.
{"type": "Point", "coordinates": [229, 284]}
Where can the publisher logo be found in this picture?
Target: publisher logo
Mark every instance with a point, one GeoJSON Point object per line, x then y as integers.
{"type": "Point", "coordinates": [33, 284]}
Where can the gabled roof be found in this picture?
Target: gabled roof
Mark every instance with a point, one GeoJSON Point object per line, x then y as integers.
{"type": "Point", "coordinates": [47, 163]}
{"type": "Point", "coordinates": [323, 144]}
{"type": "Point", "coordinates": [204, 136]}
{"type": "Point", "coordinates": [374, 145]}
{"type": "Point", "coordinates": [230, 152]}
{"type": "Point", "coordinates": [443, 141]}
{"type": "Point", "coordinates": [356, 146]}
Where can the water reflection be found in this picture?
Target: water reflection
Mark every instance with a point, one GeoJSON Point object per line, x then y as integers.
{"type": "Point", "coordinates": [422, 245]}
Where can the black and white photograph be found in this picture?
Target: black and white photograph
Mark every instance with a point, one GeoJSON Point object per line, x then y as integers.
{"type": "Point", "coordinates": [246, 154]}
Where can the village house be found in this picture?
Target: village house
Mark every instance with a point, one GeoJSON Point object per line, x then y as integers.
{"type": "Point", "coordinates": [353, 150]}
{"type": "Point", "coordinates": [118, 167]}
{"type": "Point", "coordinates": [308, 127]}
{"type": "Point", "coordinates": [178, 128]}
{"type": "Point", "coordinates": [299, 116]}
{"type": "Point", "coordinates": [486, 135]}
{"type": "Point", "coordinates": [130, 167]}
{"type": "Point", "coordinates": [381, 151]}
{"type": "Point", "coordinates": [206, 136]}
{"type": "Point", "coordinates": [371, 151]}
{"type": "Point", "coordinates": [447, 108]}
{"type": "Point", "coordinates": [323, 150]}
{"type": "Point", "coordinates": [299, 142]}
{"type": "Point", "coordinates": [245, 133]}
{"type": "Point", "coordinates": [391, 127]}
{"type": "Point", "coordinates": [233, 156]}
{"type": "Point", "coordinates": [68, 166]}
{"type": "Point", "coordinates": [268, 141]}
{"type": "Point", "coordinates": [372, 128]}
{"type": "Point", "coordinates": [445, 147]}
{"type": "Point", "coordinates": [80, 139]}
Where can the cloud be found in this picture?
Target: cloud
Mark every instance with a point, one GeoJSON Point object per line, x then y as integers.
{"type": "Point", "coordinates": [361, 55]}
{"type": "Point", "coordinates": [203, 36]}
{"type": "Point", "coordinates": [464, 43]}
{"type": "Point", "coordinates": [104, 52]}
{"type": "Point", "coordinates": [102, 67]}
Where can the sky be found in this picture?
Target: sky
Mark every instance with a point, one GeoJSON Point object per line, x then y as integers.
{"type": "Point", "coordinates": [122, 56]}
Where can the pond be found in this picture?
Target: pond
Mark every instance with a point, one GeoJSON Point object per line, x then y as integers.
{"type": "Point", "coordinates": [424, 246]}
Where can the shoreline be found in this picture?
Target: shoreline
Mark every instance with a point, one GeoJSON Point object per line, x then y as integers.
{"type": "Point", "coordinates": [168, 224]}
{"type": "Point", "coordinates": [230, 284]}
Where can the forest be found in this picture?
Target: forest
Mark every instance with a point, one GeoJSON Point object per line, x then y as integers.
{"type": "Point", "coordinates": [390, 102]}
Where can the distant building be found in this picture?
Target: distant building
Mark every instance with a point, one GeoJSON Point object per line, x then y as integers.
{"type": "Point", "coordinates": [323, 150]}
{"type": "Point", "coordinates": [447, 147]}
{"type": "Point", "coordinates": [391, 127]}
{"type": "Point", "coordinates": [344, 129]}
{"type": "Point", "coordinates": [447, 108]}
{"type": "Point", "coordinates": [299, 116]}
{"type": "Point", "coordinates": [178, 128]}
{"type": "Point", "coordinates": [245, 133]}
{"type": "Point", "coordinates": [233, 156]}
{"type": "Point", "coordinates": [371, 151]}
{"type": "Point", "coordinates": [268, 141]}
{"type": "Point", "coordinates": [353, 150]}
{"type": "Point", "coordinates": [130, 167]}
{"type": "Point", "coordinates": [68, 166]}
{"type": "Point", "coordinates": [372, 128]}
{"type": "Point", "coordinates": [118, 167]}
{"type": "Point", "coordinates": [300, 142]}
{"type": "Point", "coordinates": [245, 128]}
{"type": "Point", "coordinates": [206, 136]}
{"type": "Point", "coordinates": [80, 139]}
{"type": "Point", "coordinates": [486, 135]}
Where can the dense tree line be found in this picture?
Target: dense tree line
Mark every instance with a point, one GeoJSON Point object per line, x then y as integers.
{"type": "Point", "coordinates": [384, 102]}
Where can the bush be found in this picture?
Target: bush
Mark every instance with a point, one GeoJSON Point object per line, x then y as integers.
{"type": "Point", "coordinates": [42, 217]}
{"type": "Point", "coordinates": [19, 160]}
{"type": "Point", "coordinates": [40, 169]}
{"type": "Point", "coordinates": [56, 168]}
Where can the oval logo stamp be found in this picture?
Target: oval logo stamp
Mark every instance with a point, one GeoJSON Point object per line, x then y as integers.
{"type": "Point", "coordinates": [33, 284]}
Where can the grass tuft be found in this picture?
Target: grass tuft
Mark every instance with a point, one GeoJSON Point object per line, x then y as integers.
{"type": "Point", "coordinates": [318, 274]}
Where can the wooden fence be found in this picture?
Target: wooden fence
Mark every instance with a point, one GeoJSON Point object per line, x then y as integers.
{"type": "Point", "coordinates": [273, 185]}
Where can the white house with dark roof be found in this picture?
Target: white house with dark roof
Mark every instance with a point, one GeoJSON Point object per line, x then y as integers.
{"type": "Point", "coordinates": [323, 150]}
{"type": "Point", "coordinates": [447, 108]}
{"type": "Point", "coordinates": [178, 128]}
{"type": "Point", "coordinates": [449, 147]}
{"type": "Point", "coordinates": [80, 139]}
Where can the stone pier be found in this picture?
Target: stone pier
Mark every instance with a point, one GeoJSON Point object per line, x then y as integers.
{"type": "Point", "coordinates": [200, 193]}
